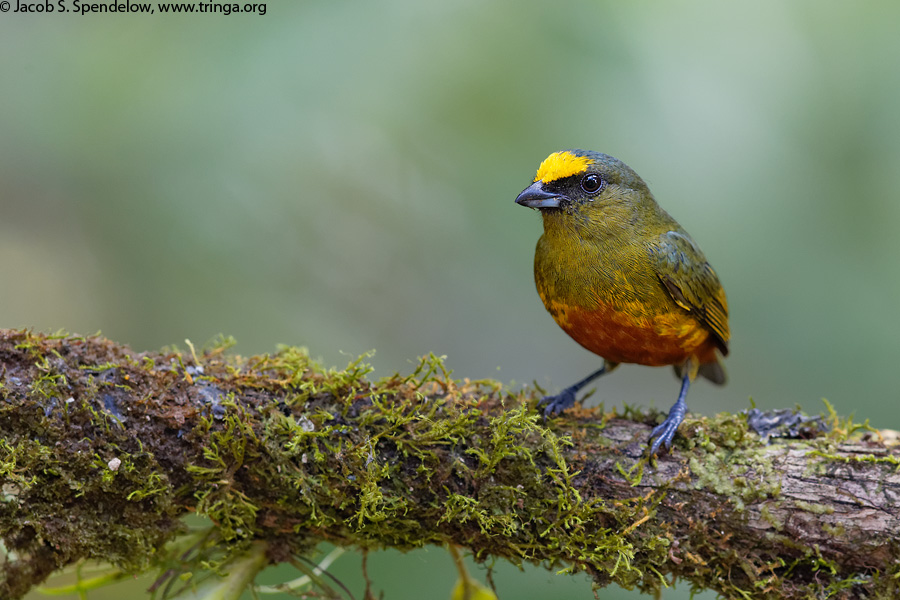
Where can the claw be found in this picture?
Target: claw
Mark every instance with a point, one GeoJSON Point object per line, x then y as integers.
{"type": "Point", "coordinates": [558, 403]}
{"type": "Point", "coordinates": [665, 431]}
{"type": "Point", "coordinates": [566, 398]}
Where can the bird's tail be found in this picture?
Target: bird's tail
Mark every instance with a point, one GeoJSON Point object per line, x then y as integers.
{"type": "Point", "coordinates": [714, 371]}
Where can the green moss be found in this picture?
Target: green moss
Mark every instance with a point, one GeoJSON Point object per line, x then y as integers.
{"type": "Point", "coordinates": [886, 459]}
{"type": "Point", "coordinates": [837, 531]}
{"type": "Point", "coordinates": [634, 474]}
{"type": "Point", "coordinates": [765, 512]}
{"type": "Point", "coordinates": [50, 384]}
{"type": "Point", "coordinates": [816, 509]}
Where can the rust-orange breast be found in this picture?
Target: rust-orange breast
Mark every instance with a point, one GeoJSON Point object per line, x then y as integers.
{"type": "Point", "coordinates": [636, 335]}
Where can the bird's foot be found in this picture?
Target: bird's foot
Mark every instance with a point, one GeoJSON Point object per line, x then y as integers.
{"type": "Point", "coordinates": [785, 423]}
{"type": "Point", "coordinates": [558, 403]}
{"type": "Point", "coordinates": [663, 433]}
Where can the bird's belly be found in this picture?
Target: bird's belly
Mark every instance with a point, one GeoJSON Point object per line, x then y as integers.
{"type": "Point", "coordinates": [638, 334]}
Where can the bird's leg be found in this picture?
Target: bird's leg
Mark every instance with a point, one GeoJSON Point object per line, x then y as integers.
{"type": "Point", "coordinates": [566, 398]}
{"type": "Point", "coordinates": [665, 431]}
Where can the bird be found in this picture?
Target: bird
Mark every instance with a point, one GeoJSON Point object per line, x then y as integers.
{"type": "Point", "coordinates": [623, 278]}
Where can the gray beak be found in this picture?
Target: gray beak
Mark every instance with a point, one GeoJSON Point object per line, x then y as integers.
{"type": "Point", "coordinates": [534, 196]}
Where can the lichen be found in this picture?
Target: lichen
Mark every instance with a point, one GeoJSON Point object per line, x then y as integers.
{"type": "Point", "coordinates": [731, 463]}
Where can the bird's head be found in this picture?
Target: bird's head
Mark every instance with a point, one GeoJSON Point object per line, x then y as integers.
{"type": "Point", "coordinates": [570, 181]}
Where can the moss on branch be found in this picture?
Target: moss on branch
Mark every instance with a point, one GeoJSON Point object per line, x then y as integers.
{"type": "Point", "coordinates": [104, 450]}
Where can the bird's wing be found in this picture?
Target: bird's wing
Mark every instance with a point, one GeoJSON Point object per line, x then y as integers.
{"type": "Point", "coordinates": [692, 283]}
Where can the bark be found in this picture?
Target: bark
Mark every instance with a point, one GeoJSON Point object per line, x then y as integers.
{"type": "Point", "coordinates": [103, 450]}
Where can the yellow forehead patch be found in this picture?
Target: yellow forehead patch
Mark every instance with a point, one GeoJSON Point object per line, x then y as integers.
{"type": "Point", "coordinates": [561, 164]}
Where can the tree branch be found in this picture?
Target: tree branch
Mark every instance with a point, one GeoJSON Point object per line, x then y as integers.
{"type": "Point", "coordinates": [103, 450]}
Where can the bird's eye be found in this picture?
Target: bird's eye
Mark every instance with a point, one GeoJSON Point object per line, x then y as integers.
{"type": "Point", "coordinates": [591, 182]}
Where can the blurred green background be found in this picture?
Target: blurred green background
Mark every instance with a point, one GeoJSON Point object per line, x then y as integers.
{"type": "Point", "coordinates": [341, 175]}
